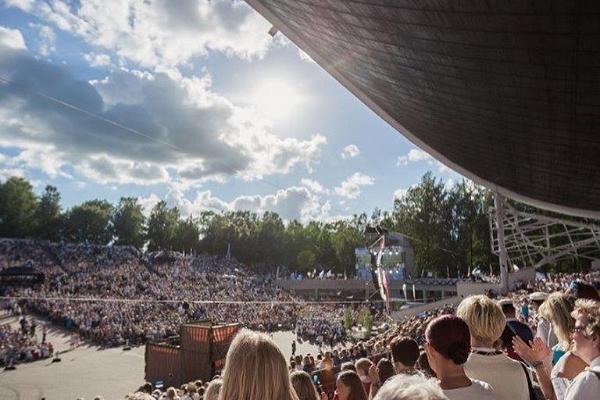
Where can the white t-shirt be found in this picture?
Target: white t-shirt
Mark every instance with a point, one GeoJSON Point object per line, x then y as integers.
{"type": "Point", "coordinates": [586, 385]}
{"type": "Point", "coordinates": [560, 384]}
{"type": "Point", "coordinates": [505, 375]}
{"type": "Point", "coordinates": [477, 391]}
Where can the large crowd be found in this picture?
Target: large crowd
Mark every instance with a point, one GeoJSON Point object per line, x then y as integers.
{"type": "Point", "coordinates": [542, 344]}
{"type": "Point", "coordinates": [120, 295]}
{"type": "Point", "coordinates": [540, 341]}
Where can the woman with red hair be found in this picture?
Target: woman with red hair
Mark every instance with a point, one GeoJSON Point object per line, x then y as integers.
{"type": "Point", "coordinates": [448, 344]}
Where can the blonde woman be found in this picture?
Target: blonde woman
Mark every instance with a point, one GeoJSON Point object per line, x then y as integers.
{"type": "Point", "coordinates": [557, 310]}
{"type": "Point", "coordinates": [304, 387]}
{"type": "Point", "coordinates": [255, 369]}
{"type": "Point", "coordinates": [486, 321]}
{"type": "Point", "coordinates": [555, 368]}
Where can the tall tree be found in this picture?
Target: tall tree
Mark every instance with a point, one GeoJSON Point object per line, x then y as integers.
{"type": "Point", "coordinates": [18, 204]}
{"type": "Point", "coordinates": [128, 223]}
{"type": "Point", "coordinates": [162, 226]}
{"type": "Point", "coordinates": [48, 219]}
{"type": "Point", "coordinates": [306, 260]}
{"type": "Point", "coordinates": [187, 236]}
{"type": "Point", "coordinates": [423, 214]}
{"type": "Point", "coordinates": [89, 222]}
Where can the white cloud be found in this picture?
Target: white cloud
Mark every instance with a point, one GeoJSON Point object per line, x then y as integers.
{"type": "Point", "coordinates": [413, 155]}
{"type": "Point", "coordinates": [416, 155]}
{"type": "Point", "coordinates": [11, 38]}
{"type": "Point", "coordinates": [400, 193]}
{"type": "Point", "coordinates": [149, 128]}
{"type": "Point", "coordinates": [313, 186]}
{"type": "Point", "coordinates": [351, 187]}
{"type": "Point", "coordinates": [148, 203]}
{"type": "Point", "coordinates": [24, 5]}
{"type": "Point", "coordinates": [154, 33]}
{"type": "Point", "coordinates": [350, 151]}
{"type": "Point", "coordinates": [46, 39]}
{"type": "Point", "coordinates": [97, 60]}
{"type": "Point", "coordinates": [292, 203]}
{"type": "Point", "coordinates": [6, 173]}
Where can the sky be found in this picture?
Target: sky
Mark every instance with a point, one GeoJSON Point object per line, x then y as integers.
{"type": "Point", "coordinates": [194, 104]}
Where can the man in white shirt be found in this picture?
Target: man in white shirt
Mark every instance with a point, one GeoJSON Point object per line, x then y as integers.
{"type": "Point", "coordinates": [586, 344]}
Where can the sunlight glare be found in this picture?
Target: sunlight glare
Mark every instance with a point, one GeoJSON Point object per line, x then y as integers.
{"type": "Point", "coordinates": [276, 100]}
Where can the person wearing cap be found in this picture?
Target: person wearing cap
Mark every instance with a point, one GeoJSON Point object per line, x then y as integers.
{"type": "Point", "coordinates": [543, 328]}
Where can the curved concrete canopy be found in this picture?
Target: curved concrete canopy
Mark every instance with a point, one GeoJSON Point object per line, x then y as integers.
{"type": "Point", "coordinates": [506, 93]}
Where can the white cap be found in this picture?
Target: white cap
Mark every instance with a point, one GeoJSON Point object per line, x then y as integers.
{"type": "Point", "coordinates": [538, 296]}
{"type": "Point", "coordinates": [504, 302]}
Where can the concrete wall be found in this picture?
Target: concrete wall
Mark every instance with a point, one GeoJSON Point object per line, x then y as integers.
{"type": "Point", "coordinates": [325, 284]}
{"type": "Point", "coordinates": [468, 288]}
{"type": "Point", "coordinates": [410, 312]}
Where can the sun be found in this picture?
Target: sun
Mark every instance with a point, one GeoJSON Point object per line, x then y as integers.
{"type": "Point", "coordinates": [276, 99]}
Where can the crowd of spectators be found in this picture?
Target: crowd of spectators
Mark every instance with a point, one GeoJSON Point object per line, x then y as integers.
{"type": "Point", "coordinates": [24, 344]}
{"type": "Point", "coordinates": [517, 347]}
{"type": "Point", "coordinates": [120, 295]}
{"type": "Point", "coordinates": [541, 341]}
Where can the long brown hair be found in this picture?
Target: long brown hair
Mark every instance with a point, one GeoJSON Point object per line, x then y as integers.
{"type": "Point", "coordinates": [255, 369]}
{"type": "Point", "coordinates": [303, 386]}
{"type": "Point", "coordinates": [351, 379]}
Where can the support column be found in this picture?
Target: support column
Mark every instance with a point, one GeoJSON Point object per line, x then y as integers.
{"type": "Point", "coordinates": [499, 204]}
{"type": "Point", "coordinates": [424, 295]}
{"type": "Point", "coordinates": [443, 294]}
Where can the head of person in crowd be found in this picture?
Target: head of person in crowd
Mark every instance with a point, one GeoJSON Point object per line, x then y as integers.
{"type": "Point", "coordinates": [410, 387]}
{"type": "Point", "coordinates": [349, 387]}
{"type": "Point", "coordinates": [362, 367]}
{"type": "Point", "coordinates": [485, 366]}
{"type": "Point", "coordinates": [484, 318]}
{"type": "Point", "coordinates": [557, 310]}
{"type": "Point", "coordinates": [508, 308]}
{"type": "Point", "coordinates": [140, 396]}
{"type": "Point", "coordinates": [537, 299]}
{"type": "Point", "coordinates": [405, 352]}
{"type": "Point", "coordinates": [146, 388]}
{"type": "Point", "coordinates": [583, 291]}
{"type": "Point", "coordinates": [213, 389]}
{"type": "Point", "coordinates": [513, 327]}
{"type": "Point", "coordinates": [385, 369]}
{"type": "Point", "coordinates": [255, 369]}
{"type": "Point", "coordinates": [423, 365]}
{"type": "Point", "coordinates": [171, 393]}
{"type": "Point", "coordinates": [303, 385]}
{"type": "Point", "coordinates": [586, 330]}
{"type": "Point", "coordinates": [348, 366]}
{"type": "Point", "coordinates": [448, 345]}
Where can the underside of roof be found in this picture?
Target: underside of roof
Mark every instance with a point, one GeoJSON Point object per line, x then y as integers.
{"type": "Point", "coordinates": [504, 92]}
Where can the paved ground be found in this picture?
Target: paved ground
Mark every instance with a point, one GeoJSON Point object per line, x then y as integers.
{"type": "Point", "coordinates": [89, 371]}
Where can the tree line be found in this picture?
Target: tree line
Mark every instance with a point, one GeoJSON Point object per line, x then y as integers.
{"type": "Point", "coordinates": [448, 228]}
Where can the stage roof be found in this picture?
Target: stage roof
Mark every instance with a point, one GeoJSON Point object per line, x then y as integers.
{"type": "Point", "coordinates": [504, 92]}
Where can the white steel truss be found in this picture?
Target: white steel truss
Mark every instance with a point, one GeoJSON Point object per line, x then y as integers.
{"type": "Point", "coordinates": [533, 240]}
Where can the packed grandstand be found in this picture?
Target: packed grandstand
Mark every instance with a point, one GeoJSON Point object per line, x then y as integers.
{"type": "Point", "coordinates": [117, 295]}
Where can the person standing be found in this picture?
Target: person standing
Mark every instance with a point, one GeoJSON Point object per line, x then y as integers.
{"type": "Point", "coordinates": [586, 344]}
{"type": "Point", "coordinates": [486, 321]}
{"type": "Point", "coordinates": [448, 347]}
